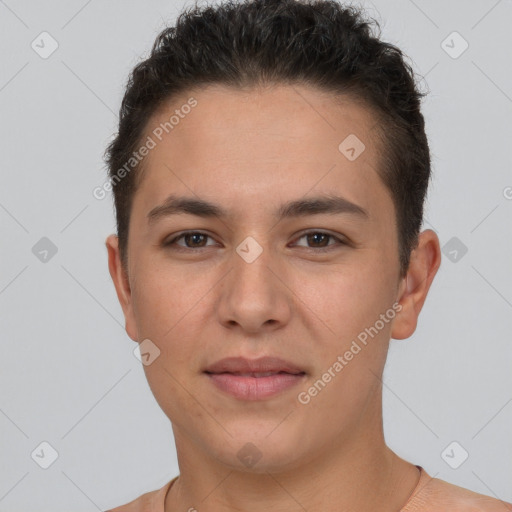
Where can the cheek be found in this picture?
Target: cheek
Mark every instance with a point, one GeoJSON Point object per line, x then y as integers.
{"type": "Point", "coordinates": [344, 298]}
{"type": "Point", "coordinates": [350, 303]}
{"type": "Point", "coordinates": [170, 308]}
{"type": "Point", "coordinates": [164, 307]}
{"type": "Point", "coordinates": [163, 298]}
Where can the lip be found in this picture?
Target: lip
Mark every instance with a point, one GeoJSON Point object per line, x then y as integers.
{"type": "Point", "coordinates": [254, 379]}
{"type": "Point", "coordinates": [260, 365]}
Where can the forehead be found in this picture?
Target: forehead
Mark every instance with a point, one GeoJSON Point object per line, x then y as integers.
{"type": "Point", "coordinates": [247, 145]}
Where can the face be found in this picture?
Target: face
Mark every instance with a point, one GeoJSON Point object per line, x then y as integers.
{"type": "Point", "coordinates": [295, 256]}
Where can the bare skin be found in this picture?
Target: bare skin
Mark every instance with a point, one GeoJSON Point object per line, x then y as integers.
{"type": "Point", "coordinates": [249, 152]}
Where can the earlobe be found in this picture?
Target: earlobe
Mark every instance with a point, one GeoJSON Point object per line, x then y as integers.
{"type": "Point", "coordinates": [121, 284]}
{"type": "Point", "coordinates": [424, 263]}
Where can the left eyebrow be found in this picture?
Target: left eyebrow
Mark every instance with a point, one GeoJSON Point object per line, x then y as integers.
{"type": "Point", "coordinates": [329, 204]}
{"type": "Point", "coordinates": [323, 204]}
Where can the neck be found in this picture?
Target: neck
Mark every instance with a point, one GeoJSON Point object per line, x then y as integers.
{"type": "Point", "coordinates": [358, 472]}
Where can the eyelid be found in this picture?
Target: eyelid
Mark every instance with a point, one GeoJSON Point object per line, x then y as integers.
{"type": "Point", "coordinates": [341, 240]}
{"type": "Point", "coordinates": [181, 235]}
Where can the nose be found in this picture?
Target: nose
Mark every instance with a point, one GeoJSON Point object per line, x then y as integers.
{"type": "Point", "coordinates": [253, 298]}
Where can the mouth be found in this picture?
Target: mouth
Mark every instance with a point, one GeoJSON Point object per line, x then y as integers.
{"type": "Point", "coordinates": [251, 367]}
{"type": "Point", "coordinates": [256, 375]}
{"type": "Point", "coordinates": [258, 379]}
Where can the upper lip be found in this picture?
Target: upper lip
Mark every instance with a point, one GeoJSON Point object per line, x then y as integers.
{"type": "Point", "coordinates": [262, 364]}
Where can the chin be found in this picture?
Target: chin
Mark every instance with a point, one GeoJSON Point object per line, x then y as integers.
{"type": "Point", "coordinates": [266, 450]}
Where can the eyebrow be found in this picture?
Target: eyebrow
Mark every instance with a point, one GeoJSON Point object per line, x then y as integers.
{"type": "Point", "coordinates": [329, 204]}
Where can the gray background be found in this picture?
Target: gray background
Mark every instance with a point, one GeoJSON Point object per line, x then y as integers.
{"type": "Point", "coordinates": [68, 375]}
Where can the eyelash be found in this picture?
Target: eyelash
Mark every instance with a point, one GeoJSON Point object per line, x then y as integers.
{"type": "Point", "coordinates": [171, 242]}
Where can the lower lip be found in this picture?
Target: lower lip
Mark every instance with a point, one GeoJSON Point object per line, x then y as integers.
{"type": "Point", "coordinates": [254, 388]}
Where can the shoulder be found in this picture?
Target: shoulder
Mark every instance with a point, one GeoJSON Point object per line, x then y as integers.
{"type": "Point", "coordinates": [141, 504]}
{"type": "Point", "coordinates": [152, 501]}
{"type": "Point", "coordinates": [435, 495]}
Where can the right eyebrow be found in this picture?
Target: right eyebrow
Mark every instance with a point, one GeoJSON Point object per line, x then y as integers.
{"type": "Point", "coordinates": [174, 205]}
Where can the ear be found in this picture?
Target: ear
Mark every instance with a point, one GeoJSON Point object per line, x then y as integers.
{"type": "Point", "coordinates": [423, 266]}
{"type": "Point", "coordinates": [122, 285]}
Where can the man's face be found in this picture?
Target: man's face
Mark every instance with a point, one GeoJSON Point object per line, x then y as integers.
{"type": "Point", "coordinates": [320, 280]}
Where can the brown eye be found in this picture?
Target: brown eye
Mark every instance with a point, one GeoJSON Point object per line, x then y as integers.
{"type": "Point", "coordinates": [196, 239]}
{"type": "Point", "coordinates": [192, 239]}
{"type": "Point", "coordinates": [320, 240]}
